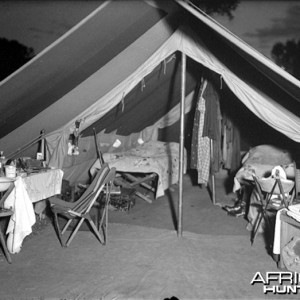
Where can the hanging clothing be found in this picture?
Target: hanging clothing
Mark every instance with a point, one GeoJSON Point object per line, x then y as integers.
{"type": "Point", "coordinates": [212, 125]}
{"type": "Point", "coordinates": [200, 155]}
{"type": "Point", "coordinates": [236, 150]}
{"type": "Point", "coordinates": [231, 145]}
{"type": "Point", "coordinates": [203, 166]}
{"type": "Point", "coordinates": [197, 127]}
{"type": "Point", "coordinates": [195, 138]}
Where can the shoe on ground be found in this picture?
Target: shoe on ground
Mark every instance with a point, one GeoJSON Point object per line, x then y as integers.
{"type": "Point", "coordinates": [238, 213]}
{"type": "Point", "coordinates": [234, 208]}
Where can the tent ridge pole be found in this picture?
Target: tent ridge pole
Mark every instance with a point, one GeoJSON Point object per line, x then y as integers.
{"type": "Point", "coordinates": [181, 143]}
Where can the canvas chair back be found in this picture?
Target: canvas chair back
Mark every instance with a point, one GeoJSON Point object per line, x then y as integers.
{"type": "Point", "coordinates": [106, 181]}
{"type": "Point", "coordinates": [267, 185]}
{"type": "Point", "coordinates": [95, 182]}
{"type": "Point", "coordinates": [276, 186]}
{"type": "Point", "coordinates": [81, 208]}
{"type": "Point", "coordinates": [93, 191]}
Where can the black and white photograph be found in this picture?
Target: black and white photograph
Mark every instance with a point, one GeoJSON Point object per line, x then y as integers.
{"type": "Point", "coordinates": [149, 149]}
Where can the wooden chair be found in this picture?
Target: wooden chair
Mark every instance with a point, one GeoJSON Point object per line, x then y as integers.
{"type": "Point", "coordinates": [5, 213]}
{"type": "Point", "coordinates": [282, 189]}
{"type": "Point", "coordinates": [80, 209]}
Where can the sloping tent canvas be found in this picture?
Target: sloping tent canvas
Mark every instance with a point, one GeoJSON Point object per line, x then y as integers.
{"type": "Point", "coordinates": [106, 61]}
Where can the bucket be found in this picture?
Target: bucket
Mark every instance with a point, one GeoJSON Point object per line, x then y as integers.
{"type": "Point", "coordinates": [10, 171]}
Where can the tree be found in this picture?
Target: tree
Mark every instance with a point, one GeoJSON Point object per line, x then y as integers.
{"type": "Point", "coordinates": [287, 56]}
{"type": "Point", "coordinates": [222, 7]}
{"type": "Point", "coordinates": [12, 56]}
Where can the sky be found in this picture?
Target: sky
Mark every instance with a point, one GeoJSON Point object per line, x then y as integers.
{"type": "Point", "coordinates": [261, 24]}
{"type": "Point", "coordinates": [37, 24]}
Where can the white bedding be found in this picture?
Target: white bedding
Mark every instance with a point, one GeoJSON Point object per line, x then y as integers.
{"type": "Point", "coordinates": [151, 157]}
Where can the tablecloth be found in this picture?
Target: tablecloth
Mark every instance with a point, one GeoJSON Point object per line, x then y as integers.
{"type": "Point", "coordinates": [44, 184]}
{"type": "Point", "coordinates": [30, 189]}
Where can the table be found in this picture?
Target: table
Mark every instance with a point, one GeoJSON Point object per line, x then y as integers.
{"type": "Point", "coordinates": [28, 190]}
{"type": "Point", "coordinates": [285, 229]}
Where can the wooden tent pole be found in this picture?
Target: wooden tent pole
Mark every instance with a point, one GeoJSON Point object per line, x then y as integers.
{"type": "Point", "coordinates": [181, 143]}
{"type": "Point", "coordinates": [213, 185]}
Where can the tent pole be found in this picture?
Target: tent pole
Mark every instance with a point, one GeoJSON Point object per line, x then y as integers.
{"type": "Point", "coordinates": [181, 143]}
{"type": "Point", "coordinates": [213, 187]}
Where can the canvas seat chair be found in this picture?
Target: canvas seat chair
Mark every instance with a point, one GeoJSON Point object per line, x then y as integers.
{"type": "Point", "coordinates": [275, 192]}
{"type": "Point", "coordinates": [3, 214]}
{"type": "Point", "coordinates": [80, 209]}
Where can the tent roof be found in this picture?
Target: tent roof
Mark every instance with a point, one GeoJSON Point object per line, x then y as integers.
{"type": "Point", "coordinates": [103, 50]}
{"type": "Point", "coordinates": [257, 69]}
{"type": "Point", "coordinates": [149, 101]}
{"type": "Point", "coordinates": [70, 61]}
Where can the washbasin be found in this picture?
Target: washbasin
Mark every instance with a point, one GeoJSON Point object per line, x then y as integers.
{"type": "Point", "coordinates": [5, 183]}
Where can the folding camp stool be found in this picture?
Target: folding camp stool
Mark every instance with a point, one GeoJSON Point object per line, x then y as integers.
{"type": "Point", "coordinates": [267, 188]}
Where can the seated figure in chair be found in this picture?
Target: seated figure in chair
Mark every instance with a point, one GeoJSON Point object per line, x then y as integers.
{"type": "Point", "coordinates": [273, 193]}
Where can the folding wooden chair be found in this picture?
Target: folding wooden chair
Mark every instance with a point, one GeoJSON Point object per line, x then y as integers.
{"type": "Point", "coordinates": [80, 209]}
{"type": "Point", "coordinates": [5, 213]}
{"type": "Point", "coordinates": [268, 188]}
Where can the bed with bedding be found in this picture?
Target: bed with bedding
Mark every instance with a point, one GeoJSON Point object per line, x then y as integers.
{"type": "Point", "coordinates": [157, 157]}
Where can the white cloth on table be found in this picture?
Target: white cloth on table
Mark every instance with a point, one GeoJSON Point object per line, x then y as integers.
{"type": "Point", "coordinates": [30, 189]}
{"type": "Point", "coordinates": [44, 184]}
{"type": "Point", "coordinates": [292, 211]}
{"type": "Point", "coordinates": [261, 160]}
{"type": "Point", "coordinates": [23, 218]}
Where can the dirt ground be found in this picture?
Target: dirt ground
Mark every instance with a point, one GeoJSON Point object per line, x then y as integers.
{"type": "Point", "coordinates": [144, 257]}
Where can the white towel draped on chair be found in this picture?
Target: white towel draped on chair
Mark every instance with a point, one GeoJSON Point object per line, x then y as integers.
{"type": "Point", "coordinates": [20, 224]}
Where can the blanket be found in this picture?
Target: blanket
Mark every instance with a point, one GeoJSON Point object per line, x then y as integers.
{"type": "Point", "coordinates": [150, 157]}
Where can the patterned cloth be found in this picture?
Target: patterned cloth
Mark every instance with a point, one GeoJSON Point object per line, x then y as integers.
{"type": "Point", "coordinates": [195, 137]}
{"type": "Point", "coordinates": [200, 156]}
{"type": "Point", "coordinates": [44, 184]}
{"type": "Point", "coordinates": [203, 163]}
{"type": "Point", "coordinates": [204, 160]}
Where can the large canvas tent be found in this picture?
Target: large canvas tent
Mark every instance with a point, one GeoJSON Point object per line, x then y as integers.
{"type": "Point", "coordinates": [119, 71]}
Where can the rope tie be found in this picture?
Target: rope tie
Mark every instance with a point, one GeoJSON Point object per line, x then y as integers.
{"type": "Point", "coordinates": [166, 61]}
{"type": "Point", "coordinates": [123, 102]}
{"type": "Point", "coordinates": [143, 84]}
{"type": "Point", "coordinates": [165, 66]}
